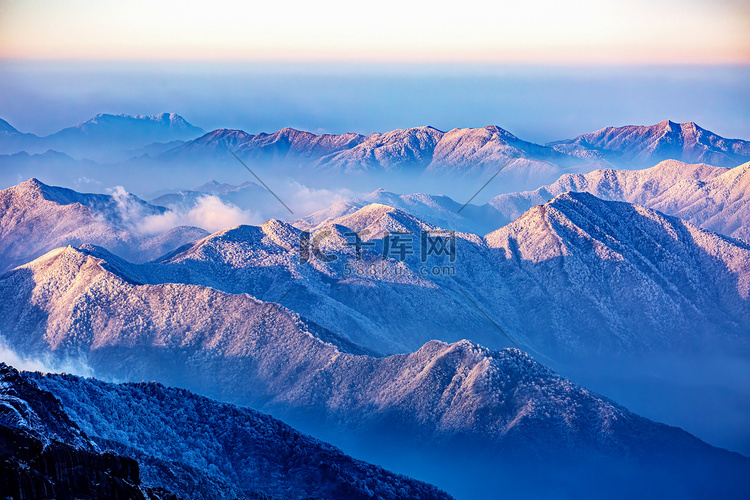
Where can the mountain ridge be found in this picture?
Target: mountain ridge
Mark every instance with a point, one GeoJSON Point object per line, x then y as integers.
{"type": "Point", "coordinates": [196, 335]}
{"type": "Point", "coordinates": [641, 145]}
{"type": "Point", "coordinates": [672, 187]}
{"type": "Point", "coordinates": [103, 137]}
{"type": "Point", "coordinates": [66, 217]}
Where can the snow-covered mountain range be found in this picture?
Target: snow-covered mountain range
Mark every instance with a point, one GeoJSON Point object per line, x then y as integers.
{"type": "Point", "coordinates": [394, 326]}
{"type": "Point", "coordinates": [476, 150]}
{"type": "Point", "coordinates": [104, 137]}
{"type": "Point", "coordinates": [443, 399]}
{"type": "Point", "coordinates": [165, 147]}
{"type": "Point", "coordinates": [641, 146]}
{"type": "Point", "coordinates": [564, 257]}
{"type": "Point", "coordinates": [546, 278]}
{"type": "Point", "coordinates": [714, 198]}
{"type": "Point", "coordinates": [188, 316]}
{"type": "Point", "coordinates": [35, 218]}
{"type": "Point", "coordinates": [421, 151]}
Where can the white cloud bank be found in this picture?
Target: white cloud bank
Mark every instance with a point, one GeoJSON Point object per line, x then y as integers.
{"type": "Point", "coordinates": [214, 213]}
{"type": "Point", "coordinates": [210, 213]}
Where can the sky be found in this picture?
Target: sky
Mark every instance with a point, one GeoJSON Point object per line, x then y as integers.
{"type": "Point", "coordinates": [574, 31]}
{"type": "Point", "coordinates": [545, 70]}
{"type": "Point", "coordinates": [536, 103]}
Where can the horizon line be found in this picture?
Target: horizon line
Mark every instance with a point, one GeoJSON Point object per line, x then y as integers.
{"type": "Point", "coordinates": [382, 61]}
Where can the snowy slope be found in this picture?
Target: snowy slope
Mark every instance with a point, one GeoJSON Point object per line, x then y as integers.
{"type": "Point", "coordinates": [44, 454]}
{"type": "Point", "coordinates": [35, 218]}
{"type": "Point", "coordinates": [502, 406]}
{"type": "Point", "coordinates": [672, 187]}
{"type": "Point", "coordinates": [370, 301]}
{"type": "Point", "coordinates": [81, 291]}
{"type": "Point", "coordinates": [714, 198]}
{"type": "Point", "coordinates": [192, 446]}
{"type": "Point", "coordinates": [546, 279]}
{"type": "Point", "coordinates": [592, 255]}
{"type": "Point", "coordinates": [398, 149]}
{"type": "Point", "coordinates": [38, 413]}
{"type": "Point", "coordinates": [71, 300]}
{"type": "Point", "coordinates": [720, 203]}
{"type": "Point", "coordinates": [485, 150]}
{"type": "Point", "coordinates": [491, 409]}
{"type": "Point", "coordinates": [646, 145]}
{"type": "Point", "coordinates": [286, 144]}
{"type": "Point", "coordinates": [246, 450]}
{"type": "Point", "coordinates": [446, 400]}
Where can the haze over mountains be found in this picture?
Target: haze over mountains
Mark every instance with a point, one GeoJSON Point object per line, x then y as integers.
{"type": "Point", "coordinates": [103, 137]}
{"type": "Point", "coordinates": [438, 161]}
{"type": "Point", "coordinates": [712, 197]}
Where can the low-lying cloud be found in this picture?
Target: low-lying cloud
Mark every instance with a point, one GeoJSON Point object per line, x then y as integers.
{"type": "Point", "coordinates": [305, 200]}
{"type": "Point", "coordinates": [209, 213]}
{"type": "Point", "coordinates": [214, 212]}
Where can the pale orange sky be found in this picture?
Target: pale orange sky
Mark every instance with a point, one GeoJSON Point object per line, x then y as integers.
{"type": "Point", "coordinates": [574, 31]}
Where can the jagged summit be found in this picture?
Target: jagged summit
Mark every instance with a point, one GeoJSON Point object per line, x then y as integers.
{"type": "Point", "coordinates": [646, 145]}
{"type": "Point", "coordinates": [135, 130]}
{"type": "Point", "coordinates": [699, 193]}
{"type": "Point", "coordinates": [32, 184]}
{"type": "Point", "coordinates": [223, 133]}
{"type": "Point", "coordinates": [169, 118]}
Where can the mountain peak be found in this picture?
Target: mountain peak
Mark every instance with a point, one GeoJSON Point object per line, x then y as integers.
{"type": "Point", "coordinates": [222, 134]}
{"type": "Point", "coordinates": [667, 123]}
{"type": "Point", "coordinates": [170, 119]}
{"type": "Point", "coordinates": [498, 130]}
{"type": "Point", "coordinates": [32, 187]}
{"type": "Point", "coordinates": [646, 145]}
{"type": "Point", "coordinates": [33, 183]}
{"type": "Point", "coordinates": [277, 226]}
